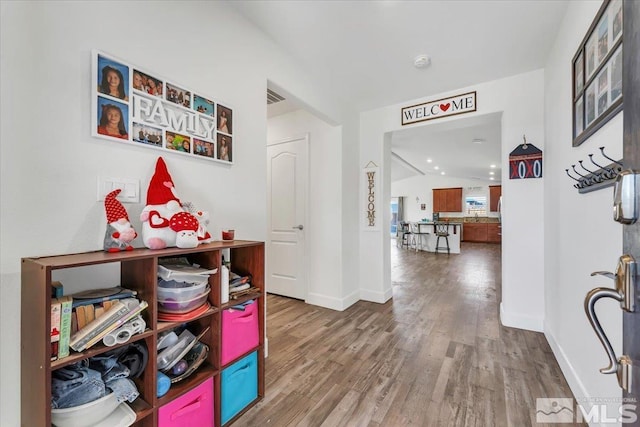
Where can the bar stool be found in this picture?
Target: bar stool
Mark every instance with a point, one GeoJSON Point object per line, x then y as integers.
{"type": "Point", "coordinates": [442, 230]}
{"type": "Point", "coordinates": [406, 236]}
{"type": "Point", "coordinates": [417, 236]}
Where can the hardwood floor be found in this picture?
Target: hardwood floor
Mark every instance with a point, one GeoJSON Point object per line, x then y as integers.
{"type": "Point", "coordinates": [434, 355]}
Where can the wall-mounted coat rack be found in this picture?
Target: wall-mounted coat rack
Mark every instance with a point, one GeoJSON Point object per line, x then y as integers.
{"type": "Point", "coordinates": [602, 177]}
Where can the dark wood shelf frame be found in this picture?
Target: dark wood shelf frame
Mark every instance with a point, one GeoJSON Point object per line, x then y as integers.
{"type": "Point", "coordinates": [138, 271]}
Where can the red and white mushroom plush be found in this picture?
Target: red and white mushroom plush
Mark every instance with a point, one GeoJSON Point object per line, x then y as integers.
{"type": "Point", "coordinates": [186, 227]}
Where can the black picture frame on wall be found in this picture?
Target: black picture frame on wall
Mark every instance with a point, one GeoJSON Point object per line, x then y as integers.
{"type": "Point", "coordinates": [597, 73]}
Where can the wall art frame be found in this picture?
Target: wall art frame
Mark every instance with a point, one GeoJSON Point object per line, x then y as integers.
{"type": "Point", "coordinates": [138, 107]}
{"type": "Point", "coordinates": [597, 73]}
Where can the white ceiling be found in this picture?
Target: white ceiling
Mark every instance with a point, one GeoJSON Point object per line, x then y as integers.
{"type": "Point", "coordinates": [451, 148]}
{"type": "Point", "coordinates": [365, 50]}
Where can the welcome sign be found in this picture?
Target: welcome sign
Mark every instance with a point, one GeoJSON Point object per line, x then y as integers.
{"type": "Point", "coordinates": [440, 108]}
{"type": "Point", "coordinates": [139, 107]}
{"type": "Point", "coordinates": [370, 192]}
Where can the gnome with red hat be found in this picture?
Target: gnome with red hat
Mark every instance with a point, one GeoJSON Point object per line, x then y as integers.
{"type": "Point", "coordinates": [120, 233]}
{"type": "Point", "coordinates": [158, 229]}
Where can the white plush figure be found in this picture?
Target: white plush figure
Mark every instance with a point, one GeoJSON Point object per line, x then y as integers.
{"type": "Point", "coordinates": [185, 225]}
{"type": "Point", "coordinates": [203, 220]}
{"type": "Point", "coordinates": [162, 205]}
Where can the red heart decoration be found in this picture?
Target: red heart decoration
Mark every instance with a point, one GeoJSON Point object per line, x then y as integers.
{"type": "Point", "coordinates": [157, 221]}
{"type": "Point", "coordinates": [445, 107]}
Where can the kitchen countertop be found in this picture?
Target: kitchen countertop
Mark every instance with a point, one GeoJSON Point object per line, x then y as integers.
{"type": "Point", "coordinates": [471, 219]}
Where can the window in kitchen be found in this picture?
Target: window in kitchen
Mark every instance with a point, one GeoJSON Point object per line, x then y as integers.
{"type": "Point", "coordinates": [476, 206]}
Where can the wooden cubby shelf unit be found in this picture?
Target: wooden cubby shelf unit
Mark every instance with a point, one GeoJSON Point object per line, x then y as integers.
{"type": "Point", "coordinates": [138, 271]}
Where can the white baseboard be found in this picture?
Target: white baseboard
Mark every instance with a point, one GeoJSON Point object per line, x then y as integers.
{"type": "Point", "coordinates": [373, 296]}
{"type": "Point", "coordinates": [576, 386]}
{"type": "Point", "coordinates": [339, 304]}
{"type": "Point", "coordinates": [516, 320]}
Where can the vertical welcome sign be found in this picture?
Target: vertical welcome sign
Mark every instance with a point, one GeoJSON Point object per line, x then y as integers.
{"type": "Point", "coordinates": [371, 195]}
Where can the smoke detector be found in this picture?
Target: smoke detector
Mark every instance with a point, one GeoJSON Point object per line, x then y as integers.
{"type": "Point", "coordinates": [422, 61]}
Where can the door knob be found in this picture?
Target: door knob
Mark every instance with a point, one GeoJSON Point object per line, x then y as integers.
{"type": "Point", "coordinates": [299, 227]}
{"type": "Point", "coordinates": [589, 306]}
{"type": "Point", "coordinates": [624, 292]}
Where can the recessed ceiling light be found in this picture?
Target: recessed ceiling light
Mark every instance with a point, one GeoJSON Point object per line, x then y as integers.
{"type": "Point", "coordinates": [492, 173]}
{"type": "Point", "coordinates": [422, 61]}
{"type": "Point", "coordinates": [442, 173]}
{"type": "Point", "coordinates": [429, 160]}
{"type": "Point", "coordinates": [477, 140]}
{"type": "Point", "coordinates": [492, 166]}
{"type": "Point", "coordinates": [436, 167]}
{"type": "Point", "coordinates": [491, 178]}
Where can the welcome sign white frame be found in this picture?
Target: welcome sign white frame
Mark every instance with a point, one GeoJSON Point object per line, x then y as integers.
{"type": "Point", "coordinates": [153, 119]}
{"type": "Point", "coordinates": [440, 108]}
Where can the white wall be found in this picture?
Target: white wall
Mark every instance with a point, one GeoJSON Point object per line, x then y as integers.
{"type": "Point", "coordinates": [580, 234]}
{"type": "Point", "coordinates": [324, 231]}
{"type": "Point", "coordinates": [421, 186]}
{"type": "Point", "coordinates": [520, 99]}
{"type": "Point", "coordinates": [50, 163]}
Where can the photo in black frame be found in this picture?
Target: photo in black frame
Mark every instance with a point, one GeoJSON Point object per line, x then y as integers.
{"type": "Point", "coordinates": [597, 83]}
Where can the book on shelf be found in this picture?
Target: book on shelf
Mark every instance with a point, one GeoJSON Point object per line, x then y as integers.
{"type": "Point", "coordinates": [55, 328]}
{"type": "Point", "coordinates": [118, 314]}
{"type": "Point", "coordinates": [238, 288]}
{"type": "Point", "coordinates": [57, 290]}
{"type": "Point", "coordinates": [74, 322]}
{"type": "Point", "coordinates": [65, 326]}
{"type": "Point", "coordinates": [98, 296]}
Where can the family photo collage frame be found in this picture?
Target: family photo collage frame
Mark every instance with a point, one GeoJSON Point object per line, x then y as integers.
{"type": "Point", "coordinates": [597, 73]}
{"type": "Point", "coordinates": [135, 106]}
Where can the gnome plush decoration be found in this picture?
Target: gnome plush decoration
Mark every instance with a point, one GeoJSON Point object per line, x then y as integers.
{"type": "Point", "coordinates": [120, 233]}
{"type": "Point", "coordinates": [162, 205]}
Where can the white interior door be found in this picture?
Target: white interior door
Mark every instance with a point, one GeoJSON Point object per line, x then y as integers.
{"type": "Point", "coordinates": [287, 178]}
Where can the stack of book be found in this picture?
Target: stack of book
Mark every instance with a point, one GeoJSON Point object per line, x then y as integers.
{"type": "Point", "coordinates": [81, 320]}
{"type": "Point", "coordinates": [240, 285]}
{"type": "Point", "coordinates": [120, 312]}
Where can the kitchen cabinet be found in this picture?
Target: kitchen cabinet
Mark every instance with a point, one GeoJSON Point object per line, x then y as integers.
{"type": "Point", "coordinates": [495, 191]}
{"type": "Point", "coordinates": [447, 199]}
{"type": "Point", "coordinates": [494, 232]}
{"type": "Point", "coordinates": [482, 232]}
{"type": "Point", "coordinates": [474, 232]}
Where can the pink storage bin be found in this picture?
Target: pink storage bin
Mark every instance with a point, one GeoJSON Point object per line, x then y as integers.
{"type": "Point", "coordinates": [239, 332]}
{"type": "Point", "coordinates": [194, 408]}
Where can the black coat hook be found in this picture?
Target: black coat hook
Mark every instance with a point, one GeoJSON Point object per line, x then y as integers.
{"type": "Point", "coordinates": [585, 179]}
{"type": "Point", "coordinates": [608, 173]}
{"type": "Point", "coordinates": [596, 175]}
{"type": "Point", "coordinates": [573, 178]}
{"type": "Point", "coordinates": [580, 183]}
{"type": "Point", "coordinates": [609, 158]}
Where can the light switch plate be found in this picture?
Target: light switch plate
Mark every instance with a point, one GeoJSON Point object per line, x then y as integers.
{"type": "Point", "coordinates": [130, 188]}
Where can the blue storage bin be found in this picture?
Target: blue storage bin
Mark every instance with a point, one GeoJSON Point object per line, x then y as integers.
{"type": "Point", "coordinates": [239, 386]}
